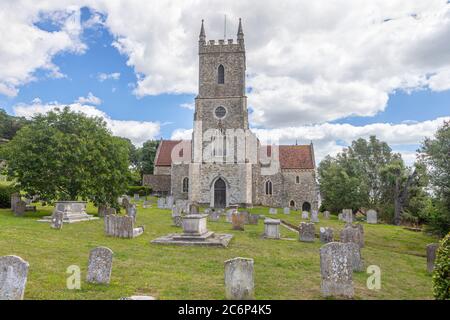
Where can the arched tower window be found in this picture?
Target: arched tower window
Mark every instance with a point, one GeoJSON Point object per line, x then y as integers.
{"type": "Point", "coordinates": [268, 188]}
{"type": "Point", "coordinates": [297, 179]}
{"type": "Point", "coordinates": [221, 75]}
{"type": "Point", "coordinates": [292, 204]}
{"type": "Point", "coordinates": [186, 184]}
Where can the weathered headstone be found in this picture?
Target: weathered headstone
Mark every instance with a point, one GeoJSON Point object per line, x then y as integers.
{"type": "Point", "coordinates": [354, 254]}
{"type": "Point", "coordinates": [347, 215]}
{"type": "Point", "coordinates": [176, 211]}
{"type": "Point", "coordinates": [273, 211]}
{"type": "Point", "coordinates": [229, 215]}
{"type": "Point", "coordinates": [431, 256]}
{"type": "Point", "coordinates": [237, 221]}
{"type": "Point", "coordinates": [239, 279]}
{"type": "Point", "coordinates": [194, 208]}
{"type": "Point", "coordinates": [57, 220]}
{"type": "Point", "coordinates": [314, 216]}
{"type": "Point", "coordinates": [326, 234]}
{"type": "Point", "coordinates": [371, 217]}
{"type": "Point", "coordinates": [353, 233]}
{"type": "Point", "coordinates": [15, 197]}
{"type": "Point", "coordinates": [207, 211]}
{"type": "Point", "coordinates": [19, 208]}
{"type": "Point", "coordinates": [161, 203]}
{"type": "Point", "coordinates": [136, 197]}
{"type": "Point", "coordinates": [336, 270]}
{"type": "Point", "coordinates": [305, 215]}
{"type": "Point", "coordinates": [13, 277]}
{"type": "Point", "coordinates": [169, 202]}
{"type": "Point", "coordinates": [272, 228]}
{"type": "Point", "coordinates": [100, 265]}
{"type": "Point", "coordinates": [132, 211]}
{"type": "Point", "coordinates": [121, 227]}
{"type": "Point", "coordinates": [253, 219]}
{"type": "Point", "coordinates": [286, 210]}
{"type": "Point", "coordinates": [177, 221]}
{"type": "Point", "coordinates": [306, 232]}
{"type": "Point", "coordinates": [326, 214]}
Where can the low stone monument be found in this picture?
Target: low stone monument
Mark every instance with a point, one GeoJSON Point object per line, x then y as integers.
{"type": "Point", "coordinates": [326, 214]}
{"type": "Point", "coordinates": [237, 221]}
{"type": "Point", "coordinates": [431, 256]}
{"type": "Point", "coordinates": [13, 277]}
{"type": "Point", "coordinates": [347, 215]}
{"type": "Point", "coordinates": [100, 265]}
{"type": "Point", "coordinates": [336, 270]}
{"type": "Point", "coordinates": [73, 211]}
{"type": "Point", "coordinates": [287, 210]}
{"type": "Point", "coordinates": [239, 279]}
{"type": "Point", "coordinates": [272, 228]}
{"type": "Point", "coordinates": [371, 217]}
{"type": "Point", "coordinates": [57, 220]}
{"type": "Point", "coordinates": [273, 211]}
{"type": "Point", "coordinates": [353, 233]}
{"type": "Point", "coordinates": [121, 227]}
{"type": "Point", "coordinates": [354, 254]}
{"type": "Point", "coordinates": [305, 215]}
{"type": "Point", "coordinates": [306, 232]}
{"type": "Point", "coordinates": [326, 234]}
{"type": "Point", "coordinates": [195, 233]}
{"type": "Point", "coordinates": [314, 216]}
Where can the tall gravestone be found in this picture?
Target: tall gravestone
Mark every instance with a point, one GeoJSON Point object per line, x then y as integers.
{"type": "Point", "coordinates": [314, 216]}
{"type": "Point", "coordinates": [57, 220]}
{"type": "Point", "coordinates": [19, 208]}
{"type": "Point", "coordinates": [306, 232]}
{"type": "Point", "coordinates": [347, 215]}
{"type": "Point", "coordinates": [353, 233]}
{"type": "Point", "coordinates": [15, 197]}
{"type": "Point", "coordinates": [354, 254]}
{"type": "Point", "coordinates": [102, 210]}
{"type": "Point", "coordinates": [239, 279]}
{"type": "Point", "coordinates": [132, 211]}
{"type": "Point", "coordinates": [371, 217]}
{"type": "Point", "coordinates": [286, 210]}
{"type": "Point", "coordinates": [431, 256]}
{"type": "Point", "coordinates": [13, 277]}
{"type": "Point", "coordinates": [237, 221]}
{"type": "Point", "coordinates": [100, 265]}
{"type": "Point", "coordinates": [336, 270]}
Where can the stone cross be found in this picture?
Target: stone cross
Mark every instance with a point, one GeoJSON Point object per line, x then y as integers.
{"type": "Point", "coordinates": [306, 232]}
{"type": "Point", "coordinates": [326, 234]}
{"type": "Point", "coordinates": [326, 214]}
{"type": "Point", "coordinates": [353, 233]}
{"type": "Point", "coordinates": [347, 215]}
{"type": "Point", "coordinates": [13, 277]}
{"type": "Point", "coordinates": [315, 216]}
{"type": "Point", "coordinates": [431, 256]}
{"type": "Point", "coordinates": [336, 270]}
{"type": "Point", "coordinates": [371, 217]}
{"type": "Point", "coordinates": [273, 211]}
{"type": "Point", "coordinates": [57, 220]}
{"type": "Point", "coordinates": [286, 210]}
{"type": "Point", "coordinates": [237, 221]}
{"type": "Point", "coordinates": [100, 265]}
{"type": "Point", "coordinates": [305, 215]}
{"type": "Point", "coordinates": [272, 228]}
{"type": "Point", "coordinates": [239, 279]}
{"type": "Point", "coordinates": [19, 208]}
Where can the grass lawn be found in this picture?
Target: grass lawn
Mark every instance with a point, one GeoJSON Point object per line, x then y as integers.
{"type": "Point", "coordinates": [284, 269]}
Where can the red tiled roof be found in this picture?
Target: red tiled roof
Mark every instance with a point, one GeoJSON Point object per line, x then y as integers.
{"type": "Point", "coordinates": [164, 152]}
{"type": "Point", "coordinates": [294, 157]}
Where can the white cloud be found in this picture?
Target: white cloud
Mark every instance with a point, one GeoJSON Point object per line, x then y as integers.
{"type": "Point", "coordinates": [137, 131]}
{"type": "Point", "coordinates": [90, 99]}
{"type": "Point", "coordinates": [181, 134]}
{"type": "Point", "coordinates": [108, 76]}
{"type": "Point", "coordinates": [190, 106]}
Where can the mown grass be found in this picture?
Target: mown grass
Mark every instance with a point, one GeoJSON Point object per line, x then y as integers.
{"type": "Point", "coordinates": [284, 269]}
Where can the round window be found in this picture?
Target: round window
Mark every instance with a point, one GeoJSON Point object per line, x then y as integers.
{"type": "Point", "coordinates": [220, 112]}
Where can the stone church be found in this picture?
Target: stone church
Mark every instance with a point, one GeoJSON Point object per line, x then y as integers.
{"type": "Point", "coordinates": [225, 163]}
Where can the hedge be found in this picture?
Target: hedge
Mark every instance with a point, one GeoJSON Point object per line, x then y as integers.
{"type": "Point", "coordinates": [143, 191]}
{"type": "Point", "coordinates": [441, 273]}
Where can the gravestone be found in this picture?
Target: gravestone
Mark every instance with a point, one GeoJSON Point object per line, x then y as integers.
{"type": "Point", "coordinates": [305, 215]}
{"type": "Point", "coordinates": [100, 265]}
{"type": "Point", "coordinates": [239, 279]}
{"type": "Point", "coordinates": [102, 210]}
{"type": "Point", "coordinates": [354, 254]}
{"type": "Point", "coordinates": [371, 217]}
{"type": "Point", "coordinates": [245, 214]}
{"type": "Point", "coordinates": [326, 234]}
{"type": "Point", "coordinates": [347, 215]}
{"type": "Point", "coordinates": [194, 208]}
{"type": "Point", "coordinates": [121, 227]}
{"type": "Point", "coordinates": [273, 211]}
{"type": "Point", "coordinates": [176, 211]}
{"type": "Point", "coordinates": [340, 217]}
{"type": "Point", "coordinates": [221, 211]}
{"type": "Point", "coordinates": [214, 216]}
{"type": "Point", "coordinates": [237, 221]}
{"type": "Point", "coordinates": [326, 214]}
{"type": "Point", "coordinates": [177, 221]}
{"type": "Point", "coordinates": [229, 215]}
{"type": "Point", "coordinates": [161, 203]}
{"type": "Point", "coordinates": [306, 232]}
{"type": "Point", "coordinates": [15, 197]}
{"type": "Point", "coordinates": [57, 220]}
{"type": "Point", "coordinates": [253, 219]}
{"type": "Point", "coordinates": [272, 228]}
{"type": "Point", "coordinates": [132, 211]}
{"type": "Point", "coordinates": [336, 270]}
{"type": "Point", "coordinates": [169, 202]}
{"type": "Point", "coordinates": [19, 208]}
{"type": "Point", "coordinates": [431, 256]}
{"type": "Point", "coordinates": [13, 277]}
{"type": "Point", "coordinates": [353, 233]}
{"type": "Point", "coordinates": [136, 197]}
{"type": "Point", "coordinates": [286, 210]}
{"type": "Point", "coordinates": [314, 216]}
{"type": "Point", "coordinates": [147, 204]}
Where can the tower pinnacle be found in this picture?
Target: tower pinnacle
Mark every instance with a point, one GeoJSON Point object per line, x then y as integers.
{"type": "Point", "coordinates": [240, 34]}
{"type": "Point", "coordinates": [202, 37]}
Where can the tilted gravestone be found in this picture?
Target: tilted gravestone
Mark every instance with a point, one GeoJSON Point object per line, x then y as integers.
{"type": "Point", "coordinates": [237, 221]}
{"type": "Point", "coordinates": [353, 233]}
{"type": "Point", "coordinates": [305, 215]}
{"type": "Point", "coordinates": [336, 270]}
{"type": "Point", "coordinates": [371, 217]}
{"type": "Point", "coordinates": [121, 227]}
{"type": "Point", "coordinates": [431, 256]}
{"type": "Point", "coordinates": [57, 220]}
{"type": "Point", "coordinates": [287, 210]}
{"type": "Point", "coordinates": [314, 216]}
{"type": "Point", "coordinates": [347, 215]}
{"type": "Point", "coordinates": [306, 232]}
{"type": "Point", "coordinates": [326, 214]}
{"type": "Point", "coordinates": [354, 254]}
{"type": "Point", "coordinates": [19, 208]}
{"type": "Point", "coordinates": [326, 234]}
{"type": "Point", "coordinates": [100, 265]}
{"type": "Point", "coordinates": [13, 277]}
{"type": "Point", "coordinates": [239, 279]}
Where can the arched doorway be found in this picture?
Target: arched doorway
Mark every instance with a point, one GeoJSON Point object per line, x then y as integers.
{"type": "Point", "coordinates": [292, 204]}
{"type": "Point", "coordinates": [306, 206]}
{"type": "Point", "coordinates": [220, 194]}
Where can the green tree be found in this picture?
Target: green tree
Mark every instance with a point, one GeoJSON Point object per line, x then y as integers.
{"type": "Point", "coordinates": [435, 154]}
{"type": "Point", "coordinates": [9, 125]}
{"type": "Point", "coordinates": [146, 157]}
{"type": "Point", "coordinates": [64, 155]}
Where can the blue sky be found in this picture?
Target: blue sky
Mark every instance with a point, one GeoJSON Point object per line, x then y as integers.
{"type": "Point", "coordinates": [332, 94]}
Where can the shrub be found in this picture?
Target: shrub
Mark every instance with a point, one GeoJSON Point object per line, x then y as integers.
{"type": "Point", "coordinates": [143, 191]}
{"type": "Point", "coordinates": [5, 195]}
{"type": "Point", "coordinates": [441, 273]}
